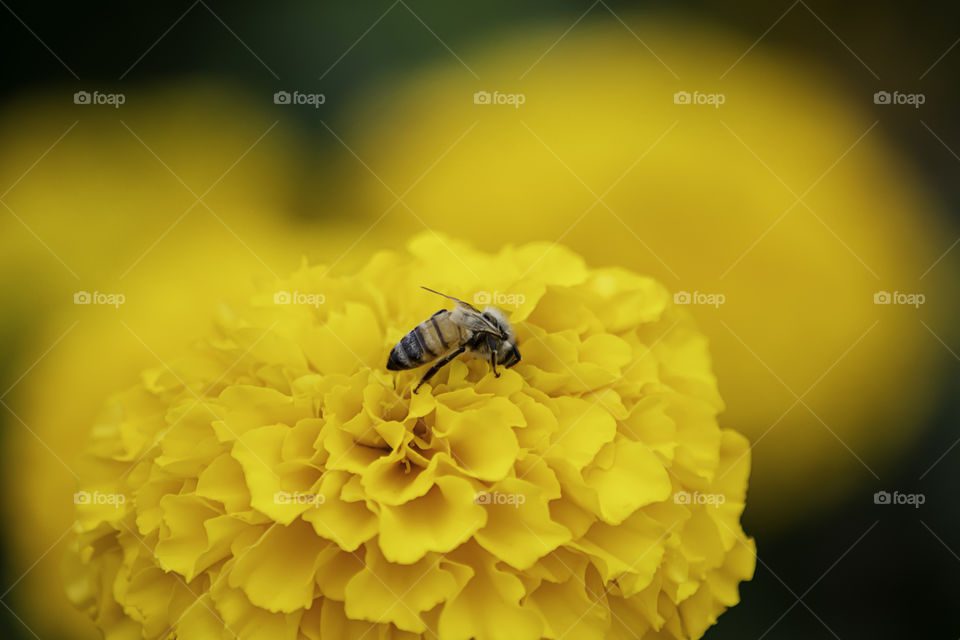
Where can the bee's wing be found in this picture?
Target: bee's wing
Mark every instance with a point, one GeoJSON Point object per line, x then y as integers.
{"type": "Point", "coordinates": [473, 318]}
{"type": "Point", "coordinates": [475, 321]}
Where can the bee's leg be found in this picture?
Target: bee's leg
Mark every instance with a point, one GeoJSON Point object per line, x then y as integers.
{"type": "Point", "coordinates": [493, 356]}
{"type": "Point", "coordinates": [436, 367]}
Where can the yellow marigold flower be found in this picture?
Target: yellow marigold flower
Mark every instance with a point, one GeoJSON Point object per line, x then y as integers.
{"type": "Point", "coordinates": [280, 483]}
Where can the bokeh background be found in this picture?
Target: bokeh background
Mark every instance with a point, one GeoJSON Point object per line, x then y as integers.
{"type": "Point", "coordinates": [797, 200]}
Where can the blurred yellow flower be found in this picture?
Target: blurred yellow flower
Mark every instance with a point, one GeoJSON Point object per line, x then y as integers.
{"type": "Point", "coordinates": [278, 482]}
{"type": "Point", "coordinates": [737, 176]}
{"type": "Point", "coordinates": [121, 222]}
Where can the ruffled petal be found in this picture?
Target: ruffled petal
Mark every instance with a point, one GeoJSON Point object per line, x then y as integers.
{"type": "Point", "coordinates": [439, 521]}
{"type": "Point", "coordinates": [519, 529]}
{"type": "Point", "coordinates": [399, 593]}
{"type": "Point", "coordinates": [488, 608]}
{"type": "Point", "coordinates": [277, 572]}
{"type": "Point", "coordinates": [348, 523]}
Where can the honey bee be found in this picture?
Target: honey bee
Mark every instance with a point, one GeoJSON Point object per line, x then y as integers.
{"type": "Point", "coordinates": [486, 334]}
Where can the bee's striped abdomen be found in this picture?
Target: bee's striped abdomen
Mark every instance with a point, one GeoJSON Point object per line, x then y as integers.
{"type": "Point", "coordinates": [443, 334]}
{"type": "Point", "coordinates": [427, 341]}
{"type": "Point", "coordinates": [409, 352]}
{"type": "Point", "coordinates": [437, 332]}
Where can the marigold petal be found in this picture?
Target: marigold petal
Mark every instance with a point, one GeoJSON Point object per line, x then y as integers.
{"type": "Point", "coordinates": [347, 523]}
{"type": "Point", "coordinates": [584, 427]}
{"type": "Point", "coordinates": [634, 478]}
{"type": "Point", "coordinates": [398, 593]}
{"type": "Point", "coordinates": [569, 611]}
{"type": "Point", "coordinates": [482, 441]}
{"type": "Point", "coordinates": [277, 572]}
{"type": "Point", "coordinates": [636, 547]}
{"type": "Point", "coordinates": [346, 337]}
{"type": "Point", "coordinates": [519, 530]}
{"type": "Point", "coordinates": [390, 481]}
{"type": "Point", "coordinates": [246, 407]}
{"type": "Point", "coordinates": [488, 608]}
{"type": "Point", "coordinates": [259, 453]}
{"type": "Point", "coordinates": [243, 620]}
{"type": "Point", "coordinates": [439, 521]}
{"type": "Point", "coordinates": [222, 480]}
{"type": "Point", "coordinates": [194, 536]}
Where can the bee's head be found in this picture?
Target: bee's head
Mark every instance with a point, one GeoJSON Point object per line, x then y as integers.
{"type": "Point", "coordinates": [507, 352]}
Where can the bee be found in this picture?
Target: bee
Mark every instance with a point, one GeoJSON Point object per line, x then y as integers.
{"type": "Point", "coordinates": [446, 334]}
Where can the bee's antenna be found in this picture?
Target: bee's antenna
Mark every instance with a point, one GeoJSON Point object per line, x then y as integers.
{"type": "Point", "coordinates": [457, 300]}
